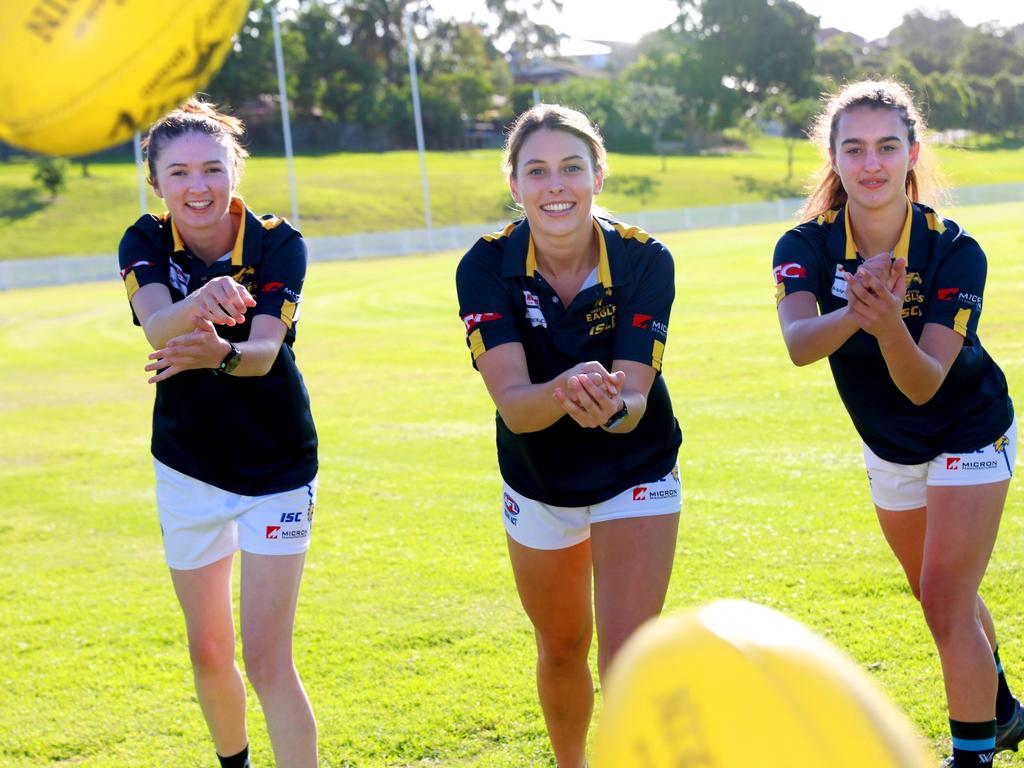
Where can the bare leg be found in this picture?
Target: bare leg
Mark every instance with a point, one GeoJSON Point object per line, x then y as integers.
{"type": "Point", "coordinates": [632, 566]}
{"type": "Point", "coordinates": [554, 587]}
{"type": "Point", "coordinates": [270, 591]}
{"type": "Point", "coordinates": [962, 525]}
{"type": "Point", "coordinates": [205, 598]}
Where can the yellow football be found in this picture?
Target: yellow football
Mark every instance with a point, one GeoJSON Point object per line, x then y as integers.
{"type": "Point", "coordinates": [733, 685]}
{"type": "Point", "coordinates": [77, 76]}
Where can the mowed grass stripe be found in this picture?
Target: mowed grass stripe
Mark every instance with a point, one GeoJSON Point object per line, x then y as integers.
{"type": "Point", "coordinates": [410, 637]}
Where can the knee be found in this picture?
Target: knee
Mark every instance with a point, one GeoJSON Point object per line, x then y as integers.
{"type": "Point", "coordinates": [945, 609]}
{"type": "Point", "coordinates": [211, 654]}
{"type": "Point", "coordinates": [265, 664]}
{"type": "Point", "coordinates": [563, 649]}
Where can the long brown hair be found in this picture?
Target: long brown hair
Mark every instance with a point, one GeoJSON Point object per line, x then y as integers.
{"type": "Point", "coordinates": [199, 116]}
{"type": "Point", "coordinates": [924, 181]}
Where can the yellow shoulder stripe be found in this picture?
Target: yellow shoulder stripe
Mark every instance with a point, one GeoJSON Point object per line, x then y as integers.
{"type": "Point", "coordinates": [632, 233]}
{"type": "Point", "coordinates": [960, 321]}
{"type": "Point", "coordinates": [503, 233]}
{"type": "Point", "coordinates": [272, 222]}
{"type": "Point", "coordinates": [935, 223]}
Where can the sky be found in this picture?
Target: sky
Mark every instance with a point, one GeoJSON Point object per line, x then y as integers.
{"type": "Point", "coordinates": [870, 19]}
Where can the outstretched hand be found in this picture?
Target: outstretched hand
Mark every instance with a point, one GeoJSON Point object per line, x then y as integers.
{"type": "Point", "coordinates": [201, 348]}
{"type": "Point", "coordinates": [222, 301]}
{"type": "Point", "coordinates": [591, 395]}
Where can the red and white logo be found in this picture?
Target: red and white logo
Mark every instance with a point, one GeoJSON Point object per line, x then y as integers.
{"type": "Point", "coordinates": [273, 287]}
{"type": "Point", "coordinates": [133, 265]}
{"type": "Point", "coordinates": [273, 531]}
{"type": "Point", "coordinates": [792, 269]}
{"type": "Point", "coordinates": [532, 299]}
{"type": "Point", "coordinates": [948, 294]}
{"type": "Point", "coordinates": [474, 319]}
{"type": "Point", "coordinates": [642, 321]}
{"type": "Point", "coordinates": [640, 493]}
{"type": "Point", "coordinates": [952, 462]}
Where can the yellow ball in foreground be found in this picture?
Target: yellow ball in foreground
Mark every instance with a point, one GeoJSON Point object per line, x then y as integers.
{"type": "Point", "coordinates": [78, 76]}
{"type": "Point", "coordinates": [733, 685]}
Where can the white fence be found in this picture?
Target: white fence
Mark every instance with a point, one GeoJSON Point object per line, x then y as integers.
{"type": "Point", "coordinates": [26, 273]}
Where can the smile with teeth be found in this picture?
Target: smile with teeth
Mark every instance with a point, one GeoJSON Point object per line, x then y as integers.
{"type": "Point", "coordinates": [556, 207]}
{"type": "Point", "coordinates": [199, 205]}
{"type": "Point", "coordinates": [873, 183]}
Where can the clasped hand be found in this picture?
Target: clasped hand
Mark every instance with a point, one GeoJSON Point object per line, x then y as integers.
{"type": "Point", "coordinates": [874, 294]}
{"type": "Point", "coordinates": [590, 394]}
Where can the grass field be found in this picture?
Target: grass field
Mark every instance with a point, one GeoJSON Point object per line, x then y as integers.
{"type": "Point", "coordinates": [409, 636]}
{"type": "Point", "coordinates": [346, 193]}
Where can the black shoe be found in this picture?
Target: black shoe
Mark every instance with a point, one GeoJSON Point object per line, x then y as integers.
{"type": "Point", "coordinates": [1010, 734]}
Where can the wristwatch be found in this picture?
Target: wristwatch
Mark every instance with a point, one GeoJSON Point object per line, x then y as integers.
{"type": "Point", "coordinates": [618, 417]}
{"type": "Point", "coordinates": [230, 361]}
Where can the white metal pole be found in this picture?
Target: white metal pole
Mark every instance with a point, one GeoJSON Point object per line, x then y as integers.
{"type": "Point", "coordinates": [419, 119]}
{"type": "Point", "coordinates": [536, 95]}
{"type": "Point", "coordinates": [286, 128]}
{"type": "Point", "coordinates": [140, 171]}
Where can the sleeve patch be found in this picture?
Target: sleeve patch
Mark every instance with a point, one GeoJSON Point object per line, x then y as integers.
{"type": "Point", "coordinates": [476, 344]}
{"type": "Point", "coordinates": [960, 321]}
{"type": "Point", "coordinates": [780, 292]}
{"type": "Point", "coordinates": [131, 284]}
{"type": "Point", "coordinates": [289, 313]}
{"type": "Point", "coordinates": [657, 354]}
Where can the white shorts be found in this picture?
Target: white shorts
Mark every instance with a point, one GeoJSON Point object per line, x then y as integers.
{"type": "Point", "coordinates": [899, 487]}
{"type": "Point", "coordinates": [542, 526]}
{"type": "Point", "coordinates": [201, 523]}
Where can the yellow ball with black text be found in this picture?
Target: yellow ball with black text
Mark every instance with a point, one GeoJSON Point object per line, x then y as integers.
{"type": "Point", "coordinates": [77, 77]}
{"type": "Point", "coordinates": [732, 685]}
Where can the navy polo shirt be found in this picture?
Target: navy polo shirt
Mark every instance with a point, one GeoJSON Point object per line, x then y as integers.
{"type": "Point", "coordinates": [251, 435]}
{"type": "Point", "coordinates": [946, 271]}
{"type": "Point", "coordinates": [621, 315]}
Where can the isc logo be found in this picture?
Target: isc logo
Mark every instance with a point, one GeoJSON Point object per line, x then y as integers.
{"type": "Point", "coordinates": [291, 517]}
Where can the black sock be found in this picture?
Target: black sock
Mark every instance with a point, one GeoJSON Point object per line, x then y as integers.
{"type": "Point", "coordinates": [1006, 705]}
{"type": "Point", "coordinates": [241, 760]}
{"type": "Point", "coordinates": [974, 744]}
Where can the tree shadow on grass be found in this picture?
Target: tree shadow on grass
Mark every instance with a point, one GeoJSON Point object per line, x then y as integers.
{"type": "Point", "coordinates": [770, 190]}
{"type": "Point", "coordinates": [635, 185]}
{"type": "Point", "coordinates": [19, 203]}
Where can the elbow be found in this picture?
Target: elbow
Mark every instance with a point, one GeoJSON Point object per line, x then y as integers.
{"type": "Point", "coordinates": [920, 398]}
{"type": "Point", "coordinates": [800, 358]}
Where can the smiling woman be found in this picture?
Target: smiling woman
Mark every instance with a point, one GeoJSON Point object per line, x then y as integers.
{"type": "Point", "coordinates": [231, 473]}
{"type": "Point", "coordinates": [566, 316]}
{"type": "Point", "coordinates": [891, 292]}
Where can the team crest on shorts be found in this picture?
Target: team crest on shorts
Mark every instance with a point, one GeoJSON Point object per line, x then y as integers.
{"type": "Point", "coordinates": [1001, 444]}
{"type": "Point", "coordinates": [511, 509]}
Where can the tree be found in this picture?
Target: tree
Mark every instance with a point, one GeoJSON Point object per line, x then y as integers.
{"type": "Point", "coordinates": [835, 59]}
{"type": "Point", "coordinates": [648, 108]}
{"type": "Point", "coordinates": [795, 116]}
{"type": "Point", "coordinates": [250, 69]}
{"type": "Point", "coordinates": [929, 42]}
{"type": "Point", "coordinates": [50, 173]}
{"type": "Point", "coordinates": [755, 44]}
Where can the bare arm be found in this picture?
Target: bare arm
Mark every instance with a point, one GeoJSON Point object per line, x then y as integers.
{"type": "Point", "coordinates": [221, 300]}
{"type": "Point", "coordinates": [809, 336]}
{"type": "Point", "coordinates": [523, 405]}
{"type": "Point", "coordinates": [202, 348]}
{"type": "Point", "coordinates": [918, 370]}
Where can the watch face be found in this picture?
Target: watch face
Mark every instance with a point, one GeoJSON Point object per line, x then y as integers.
{"type": "Point", "coordinates": [231, 361]}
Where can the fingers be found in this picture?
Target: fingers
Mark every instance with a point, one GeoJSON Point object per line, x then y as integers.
{"type": "Point", "coordinates": [589, 399]}
{"type": "Point", "coordinates": [223, 301]}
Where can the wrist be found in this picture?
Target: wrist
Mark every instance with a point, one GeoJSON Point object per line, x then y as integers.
{"type": "Point", "coordinates": [229, 362]}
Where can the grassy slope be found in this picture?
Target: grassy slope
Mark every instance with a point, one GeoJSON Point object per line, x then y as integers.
{"type": "Point", "coordinates": [346, 193]}
{"type": "Point", "coordinates": [409, 636]}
